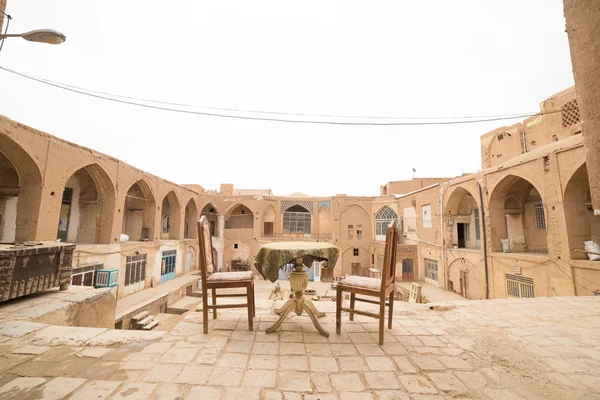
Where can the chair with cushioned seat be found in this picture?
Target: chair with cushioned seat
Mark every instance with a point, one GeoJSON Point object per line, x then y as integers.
{"type": "Point", "coordinates": [221, 280]}
{"type": "Point", "coordinates": [383, 288]}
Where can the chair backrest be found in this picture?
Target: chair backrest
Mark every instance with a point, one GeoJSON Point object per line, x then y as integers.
{"type": "Point", "coordinates": [388, 275]}
{"type": "Point", "coordinates": [205, 245]}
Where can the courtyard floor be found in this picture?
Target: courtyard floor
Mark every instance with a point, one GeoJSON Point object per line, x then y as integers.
{"type": "Point", "coordinates": [543, 348]}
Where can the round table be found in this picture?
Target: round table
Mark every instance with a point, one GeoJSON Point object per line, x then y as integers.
{"type": "Point", "coordinates": [273, 256]}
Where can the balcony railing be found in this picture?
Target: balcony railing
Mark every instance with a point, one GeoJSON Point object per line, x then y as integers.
{"type": "Point", "coordinates": [297, 236]}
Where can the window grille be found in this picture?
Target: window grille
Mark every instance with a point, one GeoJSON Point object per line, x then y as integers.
{"type": "Point", "coordinates": [135, 269]}
{"type": "Point", "coordinates": [519, 286]}
{"type": "Point", "coordinates": [431, 269]}
{"type": "Point", "coordinates": [477, 228]}
{"type": "Point", "coordinates": [168, 262]}
{"type": "Point", "coordinates": [427, 216]}
{"type": "Point", "coordinates": [166, 227]}
{"type": "Point", "coordinates": [296, 221]}
{"type": "Point", "coordinates": [467, 232]}
{"type": "Point", "coordinates": [383, 219]}
{"type": "Point", "coordinates": [350, 231]}
{"type": "Point", "coordinates": [356, 252]}
{"type": "Point", "coordinates": [540, 219]}
{"type": "Point", "coordinates": [359, 232]}
{"type": "Point", "coordinates": [570, 113]}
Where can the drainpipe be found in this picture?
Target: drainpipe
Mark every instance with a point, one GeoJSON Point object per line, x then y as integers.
{"type": "Point", "coordinates": [485, 258]}
{"type": "Point", "coordinates": [442, 229]}
{"type": "Point", "coordinates": [524, 140]}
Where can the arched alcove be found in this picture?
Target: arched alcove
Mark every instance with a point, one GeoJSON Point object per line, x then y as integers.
{"type": "Point", "coordinates": [384, 216]}
{"type": "Point", "coordinates": [463, 222]}
{"type": "Point", "coordinates": [268, 221]}
{"type": "Point", "coordinates": [138, 212]}
{"type": "Point", "coordinates": [212, 215]}
{"type": "Point", "coordinates": [239, 217]}
{"type": "Point", "coordinates": [190, 231]}
{"type": "Point", "coordinates": [171, 215]}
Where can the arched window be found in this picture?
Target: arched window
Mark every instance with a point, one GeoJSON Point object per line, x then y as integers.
{"type": "Point", "coordinates": [296, 219]}
{"type": "Point", "coordinates": [382, 220]}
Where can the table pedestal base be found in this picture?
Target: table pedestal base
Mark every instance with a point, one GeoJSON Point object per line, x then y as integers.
{"type": "Point", "coordinates": [299, 283]}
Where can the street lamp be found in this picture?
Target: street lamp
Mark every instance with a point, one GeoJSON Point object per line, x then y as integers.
{"type": "Point", "coordinates": [39, 35]}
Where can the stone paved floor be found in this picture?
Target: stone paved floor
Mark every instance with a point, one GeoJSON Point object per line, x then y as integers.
{"type": "Point", "coordinates": [546, 348]}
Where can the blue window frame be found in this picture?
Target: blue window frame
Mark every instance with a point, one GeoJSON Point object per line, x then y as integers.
{"type": "Point", "coordinates": [167, 271]}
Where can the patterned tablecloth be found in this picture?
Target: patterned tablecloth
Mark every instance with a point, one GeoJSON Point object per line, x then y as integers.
{"type": "Point", "coordinates": [275, 255]}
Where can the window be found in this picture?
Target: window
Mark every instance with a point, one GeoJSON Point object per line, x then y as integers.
{"type": "Point", "coordinates": [268, 228]}
{"type": "Point", "coordinates": [519, 286]}
{"type": "Point", "coordinates": [426, 216]}
{"type": "Point", "coordinates": [296, 219]}
{"type": "Point", "coordinates": [382, 221]}
{"type": "Point", "coordinates": [84, 275]}
{"type": "Point", "coordinates": [570, 113]}
{"type": "Point", "coordinates": [359, 232]}
{"type": "Point", "coordinates": [166, 227]}
{"type": "Point", "coordinates": [135, 269]}
{"type": "Point", "coordinates": [235, 245]}
{"type": "Point", "coordinates": [186, 229]}
{"type": "Point", "coordinates": [540, 219]}
{"type": "Point", "coordinates": [431, 269]}
{"type": "Point", "coordinates": [372, 259]}
{"type": "Point", "coordinates": [168, 264]}
{"type": "Point", "coordinates": [477, 228]}
{"type": "Point", "coordinates": [355, 252]}
{"type": "Point", "coordinates": [350, 231]}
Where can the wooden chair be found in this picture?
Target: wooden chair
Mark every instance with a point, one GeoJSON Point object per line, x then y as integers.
{"type": "Point", "coordinates": [383, 288]}
{"type": "Point", "coordinates": [221, 280]}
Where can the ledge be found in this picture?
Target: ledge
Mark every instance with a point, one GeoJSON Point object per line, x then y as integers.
{"type": "Point", "coordinates": [585, 264]}
{"type": "Point", "coordinates": [532, 257]}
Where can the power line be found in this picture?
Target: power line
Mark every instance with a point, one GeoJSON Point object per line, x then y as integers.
{"type": "Point", "coordinates": [256, 118]}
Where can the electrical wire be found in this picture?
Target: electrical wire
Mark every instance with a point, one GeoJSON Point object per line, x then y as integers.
{"type": "Point", "coordinates": [256, 118]}
{"type": "Point", "coordinates": [8, 18]}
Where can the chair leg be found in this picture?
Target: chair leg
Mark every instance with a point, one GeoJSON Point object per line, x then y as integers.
{"type": "Point", "coordinates": [253, 301]}
{"type": "Point", "coordinates": [250, 306]}
{"type": "Point", "coordinates": [214, 303]}
{"type": "Point", "coordinates": [205, 311]}
{"type": "Point", "coordinates": [391, 310]}
{"type": "Point", "coordinates": [352, 301]}
{"type": "Point", "coordinates": [338, 310]}
{"type": "Point", "coordinates": [381, 319]}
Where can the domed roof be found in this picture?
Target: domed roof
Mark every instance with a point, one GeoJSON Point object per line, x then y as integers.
{"type": "Point", "coordinates": [298, 194]}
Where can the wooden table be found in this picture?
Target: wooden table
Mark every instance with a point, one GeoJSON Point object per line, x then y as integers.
{"type": "Point", "coordinates": [274, 255]}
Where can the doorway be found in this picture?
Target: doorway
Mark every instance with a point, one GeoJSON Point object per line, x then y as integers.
{"type": "Point", "coordinates": [463, 235]}
{"type": "Point", "coordinates": [407, 270]}
{"type": "Point", "coordinates": [65, 211]}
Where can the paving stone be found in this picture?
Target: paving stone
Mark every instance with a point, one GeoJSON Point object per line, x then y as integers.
{"type": "Point", "coordinates": [318, 349]}
{"type": "Point", "coordinates": [417, 384]}
{"type": "Point", "coordinates": [454, 362]}
{"type": "Point", "coordinates": [259, 378]}
{"type": "Point", "coordinates": [416, 330]}
{"type": "Point", "coordinates": [194, 374]}
{"type": "Point", "coordinates": [382, 380]}
{"type": "Point", "coordinates": [19, 387]}
{"type": "Point", "coordinates": [243, 335]}
{"type": "Point", "coordinates": [394, 349]}
{"type": "Point", "coordinates": [272, 395]}
{"type": "Point", "coordinates": [72, 367]}
{"type": "Point", "coordinates": [356, 396]}
{"type": "Point", "coordinates": [431, 341]}
{"type": "Point", "coordinates": [314, 337]}
{"type": "Point", "coordinates": [391, 395]}
{"type": "Point", "coordinates": [370, 349]}
{"type": "Point", "coordinates": [19, 328]}
{"type": "Point", "coordinates": [293, 363]}
{"type": "Point", "coordinates": [321, 382]}
{"type": "Point", "coordinates": [137, 365]}
{"type": "Point", "coordinates": [225, 377]}
{"type": "Point", "coordinates": [292, 396]}
{"type": "Point", "coordinates": [405, 365]}
{"type": "Point", "coordinates": [294, 381]}
{"type": "Point", "coordinates": [163, 373]}
{"type": "Point", "coordinates": [239, 347]}
{"type": "Point", "coordinates": [323, 364]}
{"type": "Point", "coordinates": [341, 349]}
{"type": "Point", "coordinates": [65, 335]}
{"type": "Point", "coordinates": [292, 349]}
{"type": "Point", "coordinates": [502, 394]}
{"type": "Point", "coordinates": [169, 391]}
{"type": "Point", "coordinates": [97, 390]}
{"type": "Point", "coordinates": [59, 388]}
{"type": "Point", "coordinates": [558, 378]}
{"type": "Point", "coordinates": [427, 350]}
{"type": "Point", "coordinates": [353, 364]}
{"type": "Point", "coordinates": [157, 348]}
{"type": "Point", "coordinates": [380, 364]}
{"type": "Point", "coordinates": [346, 382]}
{"type": "Point", "coordinates": [587, 380]}
{"type": "Point", "coordinates": [118, 336]}
{"type": "Point", "coordinates": [474, 380]}
{"type": "Point", "coordinates": [204, 392]}
{"type": "Point", "coordinates": [320, 396]}
{"type": "Point", "coordinates": [427, 363]}
{"type": "Point", "coordinates": [291, 336]}
{"type": "Point", "coordinates": [233, 360]}
{"type": "Point", "coordinates": [447, 382]}
{"type": "Point", "coordinates": [94, 352]}
{"type": "Point", "coordinates": [37, 350]}
{"type": "Point", "coordinates": [242, 393]}
{"type": "Point", "coordinates": [208, 356]}
{"type": "Point", "coordinates": [260, 361]}
{"type": "Point", "coordinates": [266, 348]}
{"type": "Point", "coordinates": [178, 356]}
{"type": "Point", "coordinates": [360, 337]}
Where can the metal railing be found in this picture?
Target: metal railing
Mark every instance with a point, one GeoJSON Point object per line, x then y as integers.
{"type": "Point", "coordinates": [297, 236]}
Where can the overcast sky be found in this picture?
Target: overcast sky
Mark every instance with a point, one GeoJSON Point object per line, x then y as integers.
{"type": "Point", "coordinates": [402, 58]}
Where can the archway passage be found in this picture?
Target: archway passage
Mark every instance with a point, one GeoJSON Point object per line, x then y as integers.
{"type": "Point", "coordinates": [296, 219]}
{"type": "Point", "coordinates": [190, 231]}
{"type": "Point", "coordinates": [212, 215]}
{"type": "Point", "coordinates": [463, 226]}
{"type": "Point", "coordinates": [517, 214]}
{"type": "Point", "coordinates": [384, 216]}
{"type": "Point", "coordinates": [324, 222]}
{"type": "Point", "coordinates": [171, 215]}
{"type": "Point", "coordinates": [582, 225]}
{"type": "Point", "coordinates": [87, 207]}
{"type": "Point", "coordinates": [20, 193]}
{"type": "Point", "coordinates": [240, 217]}
{"type": "Point", "coordinates": [138, 212]}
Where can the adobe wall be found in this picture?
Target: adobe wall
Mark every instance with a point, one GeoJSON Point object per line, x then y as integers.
{"type": "Point", "coordinates": [583, 30]}
{"type": "Point", "coordinates": [403, 187]}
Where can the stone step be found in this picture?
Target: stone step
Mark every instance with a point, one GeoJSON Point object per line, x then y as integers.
{"type": "Point", "coordinates": [146, 320]}
{"type": "Point", "coordinates": [150, 325]}
{"type": "Point", "coordinates": [141, 315]}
